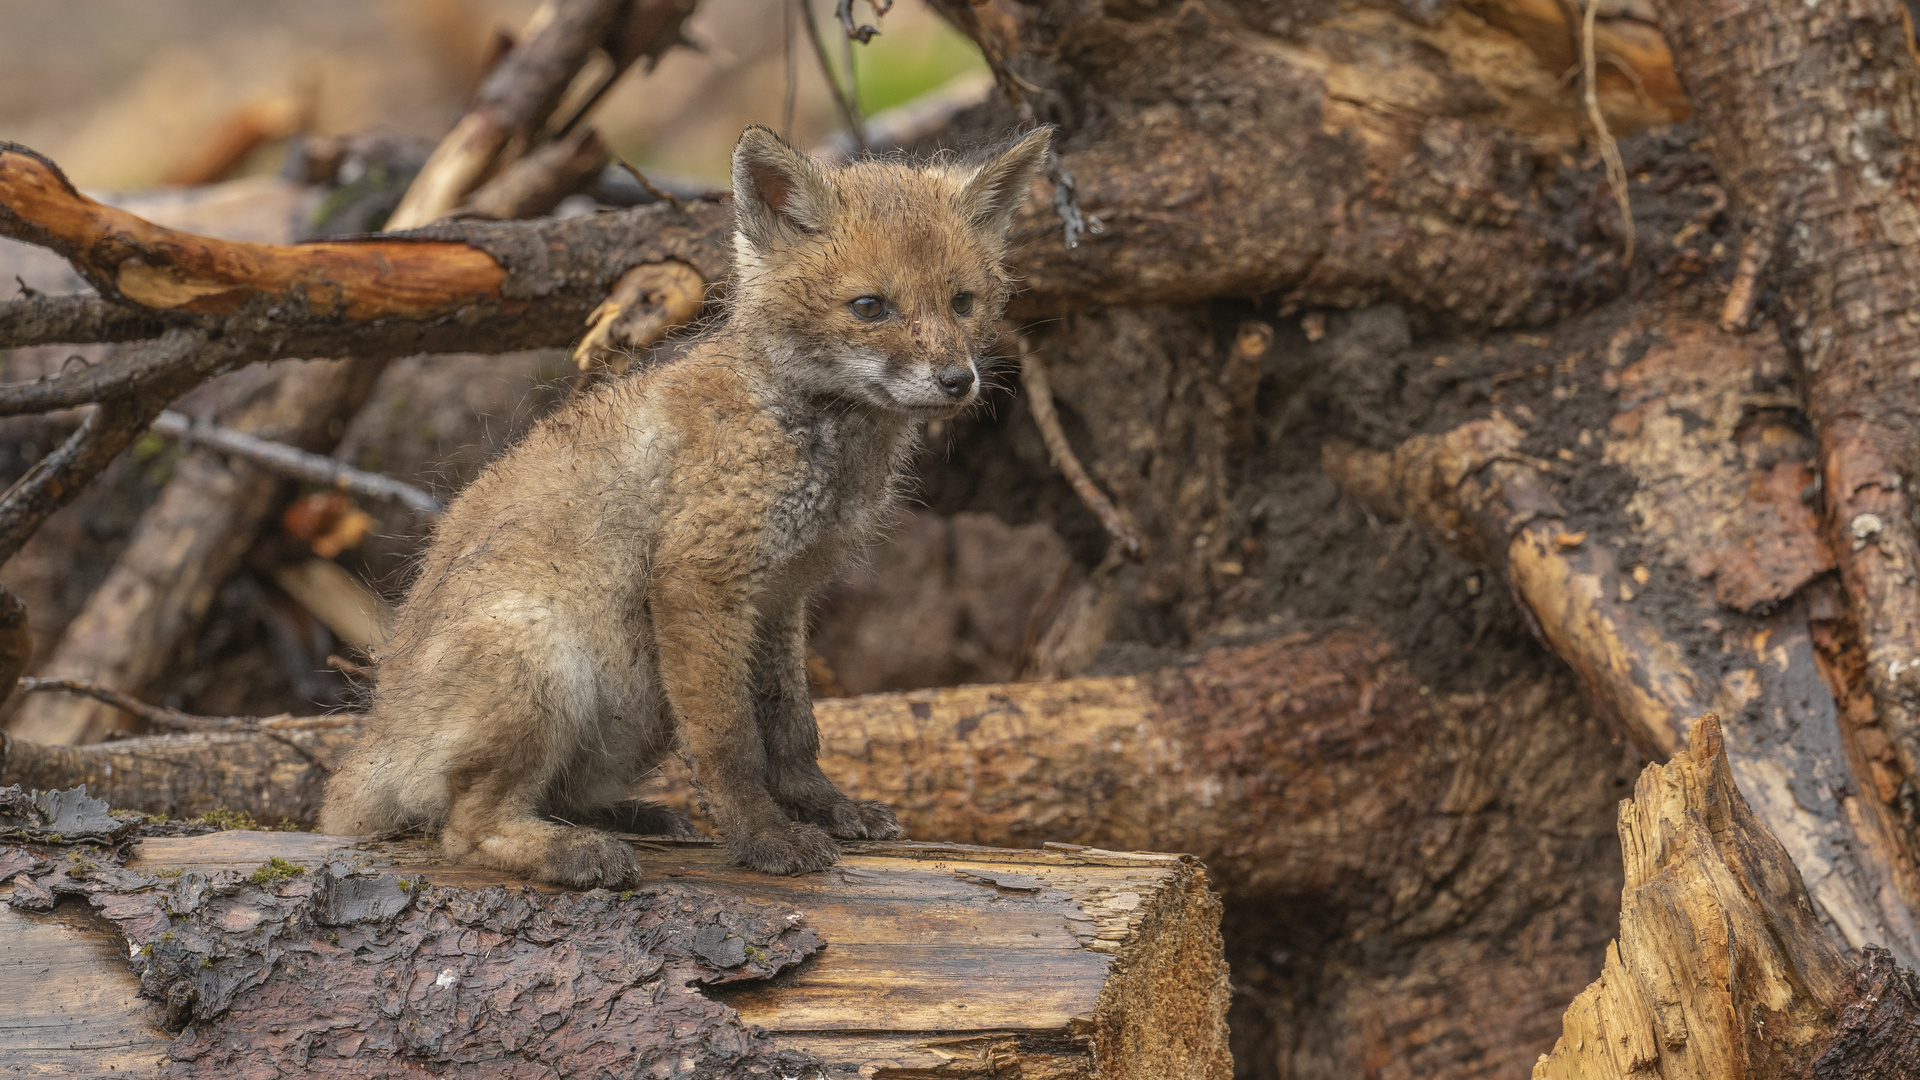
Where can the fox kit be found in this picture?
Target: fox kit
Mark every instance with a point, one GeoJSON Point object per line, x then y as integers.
{"type": "Point", "coordinates": [632, 579]}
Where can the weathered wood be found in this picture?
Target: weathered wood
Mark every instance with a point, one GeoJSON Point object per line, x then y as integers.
{"type": "Point", "coordinates": [1721, 968]}
{"type": "Point", "coordinates": [951, 960]}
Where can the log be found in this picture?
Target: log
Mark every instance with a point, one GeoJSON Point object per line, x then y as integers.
{"type": "Point", "coordinates": [1464, 837]}
{"type": "Point", "coordinates": [1720, 968]}
{"type": "Point", "coordinates": [1813, 117]}
{"type": "Point", "coordinates": [345, 957]}
{"type": "Point", "coordinates": [1718, 498]}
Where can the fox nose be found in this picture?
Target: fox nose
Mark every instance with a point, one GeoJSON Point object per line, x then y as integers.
{"type": "Point", "coordinates": [957, 380]}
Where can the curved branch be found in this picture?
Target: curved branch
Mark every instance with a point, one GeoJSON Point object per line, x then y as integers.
{"type": "Point", "coordinates": [129, 257]}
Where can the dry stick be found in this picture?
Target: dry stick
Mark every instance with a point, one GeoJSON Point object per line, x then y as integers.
{"type": "Point", "coordinates": [1040, 393]}
{"type": "Point", "coordinates": [848, 114]}
{"type": "Point", "coordinates": [1609, 149]}
{"type": "Point", "coordinates": [514, 101]}
{"type": "Point", "coordinates": [125, 375]}
{"type": "Point", "coordinates": [56, 479]}
{"type": "Point", "coordinates": [174, 720]}
{"type": "Point", "coordinates": [295, 463]}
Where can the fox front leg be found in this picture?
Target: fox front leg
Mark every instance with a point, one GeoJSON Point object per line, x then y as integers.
{"type": "Point", "coordinates": [784, 708]}
{"type": "Point", "coordinates": [704, 631]}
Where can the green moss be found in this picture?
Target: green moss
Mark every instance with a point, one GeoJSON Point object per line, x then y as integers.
{"type": "Point", "coordinates": [170, 872]}
{"type": "Point", "coordinates": [229, 820]}
{"type": "Point", "coordinates": [206, 961]}
{"type": "Point", "coordinates": [275, 869]}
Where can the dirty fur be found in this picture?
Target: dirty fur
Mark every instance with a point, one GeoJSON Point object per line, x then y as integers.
{"type": "Point", "coordinates": [632, 579]}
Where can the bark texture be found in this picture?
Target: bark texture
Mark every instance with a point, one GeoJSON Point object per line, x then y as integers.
{"type": "Point", "coordinates": [1814, 114]}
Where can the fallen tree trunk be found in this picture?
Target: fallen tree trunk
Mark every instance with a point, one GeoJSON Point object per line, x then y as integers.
{"type": "Point", "coordinates": [1813, 116]}
{"type": "Point", "coordinates": [264, 948]}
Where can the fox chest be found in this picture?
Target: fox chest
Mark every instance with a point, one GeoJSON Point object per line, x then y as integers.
{"type": "Point", "coordinates": [830, 502]}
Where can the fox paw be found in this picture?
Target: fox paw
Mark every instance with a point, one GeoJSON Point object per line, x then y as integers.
{"type": "Point", "coordinates": [589, 860]}
{"type": "Point", "coordinates": [796, 849]}
{"type": "Point", "coordinates": [862, 819]}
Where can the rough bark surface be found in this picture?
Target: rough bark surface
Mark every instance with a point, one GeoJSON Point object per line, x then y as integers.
{"type": "Point", "coordinates": [1814, 114]}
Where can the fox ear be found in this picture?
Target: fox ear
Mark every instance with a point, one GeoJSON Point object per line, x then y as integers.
{"type": "Point", "coordinates": [778, 193]}
{"type": "Point", "coordinates": [997, 188]}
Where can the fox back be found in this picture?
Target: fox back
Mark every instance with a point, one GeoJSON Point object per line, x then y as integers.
{"type": "Point", "coordinates": [633, 578]}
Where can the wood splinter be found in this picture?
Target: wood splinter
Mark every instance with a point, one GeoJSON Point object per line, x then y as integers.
{"type": "Point", "coordinates": [1737, 313]}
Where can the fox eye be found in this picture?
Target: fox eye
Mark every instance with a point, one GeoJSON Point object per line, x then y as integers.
{"type": "Point", "coordinates": [963, 303]}
{"type": "Point", "coordinates": [868, 308]}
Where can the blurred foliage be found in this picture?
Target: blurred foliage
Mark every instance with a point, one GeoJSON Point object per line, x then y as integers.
{"type": "Point", "coordinates": [892, 70]}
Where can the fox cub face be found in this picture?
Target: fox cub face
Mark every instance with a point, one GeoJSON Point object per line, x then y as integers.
{"type": "Point", "coordinates": [879, 282]}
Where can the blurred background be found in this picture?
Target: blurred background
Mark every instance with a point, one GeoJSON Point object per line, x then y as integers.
{"type": "Point", "coordinates": [129, 94]}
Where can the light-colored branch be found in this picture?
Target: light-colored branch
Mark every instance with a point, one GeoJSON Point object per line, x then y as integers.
{"type": "Point", "coordinates": [294, 463]}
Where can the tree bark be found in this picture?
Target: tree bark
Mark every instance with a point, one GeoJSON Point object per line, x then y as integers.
{"type": "Point", "coordinates": [1814, 114]}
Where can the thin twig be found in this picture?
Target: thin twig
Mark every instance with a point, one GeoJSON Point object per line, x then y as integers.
{"type": "Point", "coordinates": [1609, 149]}
{"type": "Point", "coordinates": [849, 115]}
{"type": "Point", "coordinates": [295, 463]}
{"type": "Point", "coordinates": [273, 727]}
{"type": "Point", "coordinates": [857, 31]}
{"type": "Point", "coordinates": [1040, 399]}
{"type": "Point", "coordinates": [646, 185]}
{"type": "Point", "coordinates": [175, 720]}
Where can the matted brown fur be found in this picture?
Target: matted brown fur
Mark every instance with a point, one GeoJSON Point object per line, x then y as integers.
{"type": "Point", "coordinates": [632, 579]}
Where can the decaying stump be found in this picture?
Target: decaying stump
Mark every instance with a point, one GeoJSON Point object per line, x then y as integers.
{"type": "Point", "coordinates": [1721, 968]}
{"type": "Point", "coordinates": [285, 951]}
